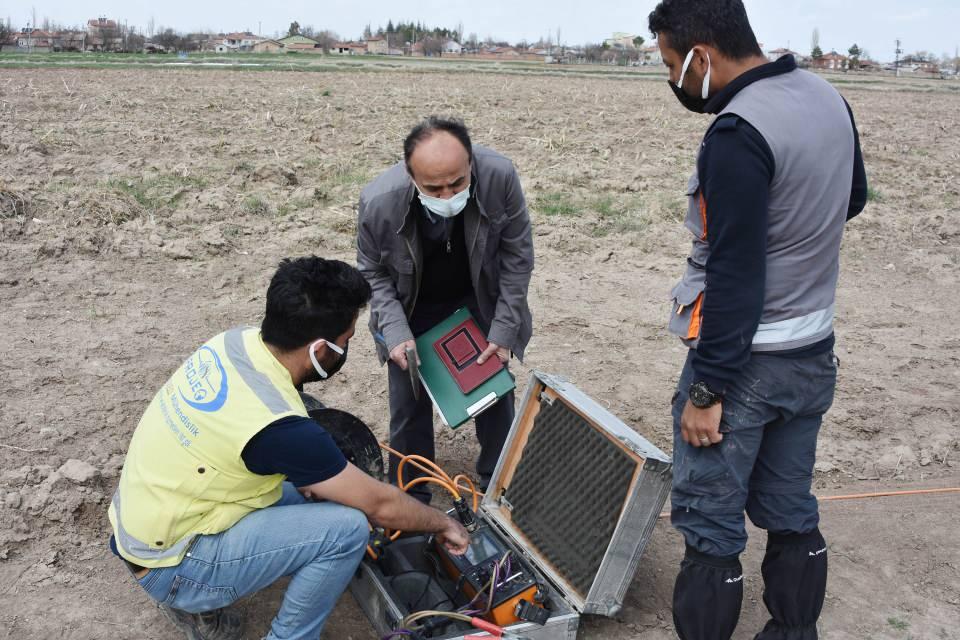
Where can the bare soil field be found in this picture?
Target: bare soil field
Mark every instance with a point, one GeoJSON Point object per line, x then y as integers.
{"type": "Point", "coordinates": [144, 210]}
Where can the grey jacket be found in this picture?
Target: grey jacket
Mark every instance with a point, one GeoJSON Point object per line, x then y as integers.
{"type": "Point", "coordinates": [498, 239]}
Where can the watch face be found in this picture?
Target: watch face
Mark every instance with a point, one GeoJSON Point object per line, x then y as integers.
{"type": "Point", "coordinates": [701, 396]}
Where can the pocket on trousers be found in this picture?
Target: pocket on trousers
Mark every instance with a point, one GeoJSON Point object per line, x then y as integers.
{"type": "Point", "coordinates": [194, 597]}
{"type": "Point", "coordinates": [703, 480]}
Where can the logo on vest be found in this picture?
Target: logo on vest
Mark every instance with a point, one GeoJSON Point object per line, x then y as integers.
{"type": "Point", "coordinates": [206, 381]}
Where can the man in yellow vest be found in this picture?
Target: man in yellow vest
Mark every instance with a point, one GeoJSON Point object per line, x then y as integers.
{"type": "Point", "coordinates": [229, 485]}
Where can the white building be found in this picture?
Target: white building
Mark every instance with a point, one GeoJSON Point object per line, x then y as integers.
{"type": "Point", "coordinates": [620, 40]}
{"type": "Point", "coordinates": [238, 42]}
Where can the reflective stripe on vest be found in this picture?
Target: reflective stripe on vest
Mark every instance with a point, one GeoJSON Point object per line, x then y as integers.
{"type": "Point", "coordinates": [141, 549]}
{"type": "Point", "coordinates": [795, 332]}
{"type": "Point", "coordinates": [258, 382]}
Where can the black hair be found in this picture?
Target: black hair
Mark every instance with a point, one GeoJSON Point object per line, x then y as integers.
{"type": "Point", "coordinates": [429, 126]}
{"type": "Point", "coordinates": [312, 298]}
{"type": "Point", "coordinates": [719, 23]}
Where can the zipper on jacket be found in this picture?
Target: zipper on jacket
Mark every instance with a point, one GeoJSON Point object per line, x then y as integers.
{"type": "Point", "coordinates": [416, 273]}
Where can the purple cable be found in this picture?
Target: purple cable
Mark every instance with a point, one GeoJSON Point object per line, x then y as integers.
{"type": "Point", "coordinates": [506, 574]}
{"type": "Point", "coordinates": [393, 634]}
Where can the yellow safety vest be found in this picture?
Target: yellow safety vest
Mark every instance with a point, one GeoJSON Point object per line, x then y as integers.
{"type": "Point", "coordinates": [184, 475]}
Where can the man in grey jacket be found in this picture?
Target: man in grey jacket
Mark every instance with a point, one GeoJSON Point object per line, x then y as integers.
{"type": "Point", "coordinates": [446, 228]}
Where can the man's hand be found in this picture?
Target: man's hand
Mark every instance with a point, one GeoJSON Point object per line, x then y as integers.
{"type": "Point", "coordinates": [388, 507]}
{"type": "Point", "coordinates": [454, 537]}
{"type": "Point", "coordinates": [701, 427]}
{"type": "Point", "coordinates": [491, 349]}
{"type": "Point", "coordinates": [399, 353]}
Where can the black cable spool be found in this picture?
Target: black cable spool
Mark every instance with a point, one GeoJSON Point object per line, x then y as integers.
{"type": "Point", "coordinates": [351, 435]}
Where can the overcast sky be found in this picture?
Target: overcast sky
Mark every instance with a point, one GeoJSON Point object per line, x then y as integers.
{"type": "Point", "coordinates": [932, 25]}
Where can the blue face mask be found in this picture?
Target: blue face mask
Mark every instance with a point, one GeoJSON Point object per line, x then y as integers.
{"type": "Point", "coordinates": [445, 208]}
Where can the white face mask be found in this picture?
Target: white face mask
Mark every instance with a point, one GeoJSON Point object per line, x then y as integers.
{"type": "Point", "coordinates": [445, 208]}
{"type": "Point", "coordinates": [313, 356]}
{"type": "Point", "coordinates": [705, 92]}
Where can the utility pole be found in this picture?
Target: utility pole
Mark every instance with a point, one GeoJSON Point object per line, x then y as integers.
{"type": "Point", "coordinates": [896, 64]}
{"type": "Point", "coordinates": [259, 28]}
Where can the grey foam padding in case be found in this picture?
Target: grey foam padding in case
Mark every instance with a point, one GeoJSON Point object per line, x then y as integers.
{"type": "Point", "coordinates": [568, 490]}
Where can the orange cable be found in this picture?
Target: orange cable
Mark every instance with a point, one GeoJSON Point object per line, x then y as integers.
{"type": "Point", "coordinates": [436, 475]}
{"type": "Point", "coordinates": [471, 486]}
{"type": "Point", "coordinates": [883, 494]}
{"type": "Point", "coordinates": [879, 494]}
{"type": "Point", "coordinates": [412, 460]}
{"type": "Point", "coordinates": [439, 473]}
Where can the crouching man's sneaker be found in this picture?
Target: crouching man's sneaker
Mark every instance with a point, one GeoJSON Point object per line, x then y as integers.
{"type": "Point", "coordinates": [219, 624]}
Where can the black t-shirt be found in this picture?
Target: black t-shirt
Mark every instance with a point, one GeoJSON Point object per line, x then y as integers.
{"type": "Point", "coordinates": [296, 447]}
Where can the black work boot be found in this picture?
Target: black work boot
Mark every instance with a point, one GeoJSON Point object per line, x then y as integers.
{"type": "Point", "coordinates": [219, 624]}
{"type": "Point", "coordinates": [795, 583]}
{"type": "Point", "coordinates": [707, 596]}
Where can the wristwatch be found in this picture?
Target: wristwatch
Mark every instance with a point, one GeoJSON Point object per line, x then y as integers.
{"type": "Point", "coordinates": [702, 397]}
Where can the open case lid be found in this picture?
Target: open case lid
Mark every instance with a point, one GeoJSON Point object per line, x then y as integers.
{"type": "Point", "coordinates": [579, 491]}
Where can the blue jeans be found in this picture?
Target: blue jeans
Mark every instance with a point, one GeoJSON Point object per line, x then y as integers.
{"type": "Point", "coordinates": [771, 417]}
{"type": "Point", "coordinates": [319, 543]}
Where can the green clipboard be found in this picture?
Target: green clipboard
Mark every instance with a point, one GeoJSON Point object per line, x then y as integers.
{"type": "Point", "coordinates": [453, 405]}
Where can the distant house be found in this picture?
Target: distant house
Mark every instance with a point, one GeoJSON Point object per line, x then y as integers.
{"type": "Point", "coordinates": [244, 41]}
{"type": "Point", "coordinates": [832, 61]}
{"type": "Point", "coordinates": [103, 35]}
{"type": "Point", "coordinates": [452, 46]}
{"type": "Point", "coordinates": [298, 42]}
{"type": "Point", "coordinates": [268, 46]}
{"type": "Point", "coordinates": [501, 52]}
{"type": "Point", "coordinates": [620, 40]}
{"type": "Point", "coordinates": [348, 48]}
{"type": "Point", "coordinates": [378, 45]}
{"type": "Point", "coordinates": [34, 41]}
{"type": "Point", "coordinates": [651, 55]}
{"type": "Point", "coordinates": [919, 64]}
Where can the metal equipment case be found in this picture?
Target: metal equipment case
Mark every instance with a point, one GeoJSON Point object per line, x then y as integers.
{"type": "Point", "coordinates": [576, 493]}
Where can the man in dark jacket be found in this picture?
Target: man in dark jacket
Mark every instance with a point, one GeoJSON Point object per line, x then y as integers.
{"type": "Point", "coordinates": [446, 228]}
{"type": "Point", "coordinates": [778, 175]}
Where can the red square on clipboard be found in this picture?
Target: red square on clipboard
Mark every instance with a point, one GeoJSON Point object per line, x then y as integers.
{"type": "Point", "coordinates": [459, 350]}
